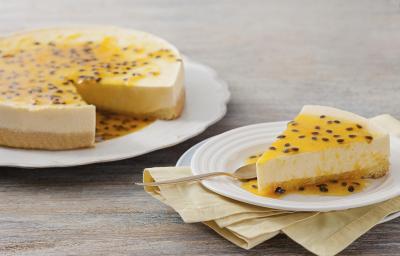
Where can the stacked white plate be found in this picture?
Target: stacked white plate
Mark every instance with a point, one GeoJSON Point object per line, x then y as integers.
{"type": "Point", "coordinates": [228, 151]}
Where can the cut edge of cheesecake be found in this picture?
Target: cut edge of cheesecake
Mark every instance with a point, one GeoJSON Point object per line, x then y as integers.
{"type": "Point", "coordinates": [161, 102]}
{"type": "Point", "coordinates": [44, 127]}
{"type": "Point", "coordinates": [20, 129]}
{"type": "Point", "coordinates": [34, 127]}
{"type": "Point", "coordinates": [360, 160]}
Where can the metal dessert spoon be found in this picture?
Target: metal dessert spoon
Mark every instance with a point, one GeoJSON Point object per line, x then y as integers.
{"type": "Point", "coordinates": [246, 172]}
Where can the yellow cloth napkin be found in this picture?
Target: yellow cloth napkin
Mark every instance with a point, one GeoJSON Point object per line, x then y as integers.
{"type": "Point", "coordinates": [247, 225]}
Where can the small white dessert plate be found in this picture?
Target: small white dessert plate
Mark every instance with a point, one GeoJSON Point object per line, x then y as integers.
{"type": "Point", "coordinates": [228, 151]}
{"type": "Point", "coordinates": [206, 99]}
{"type": "Point", "coordinates": [186, 158]}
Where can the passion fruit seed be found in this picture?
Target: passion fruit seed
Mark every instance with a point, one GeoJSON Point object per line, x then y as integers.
{"type": "Point", "coordinates": [280, 190]}
{"type": "Point", "coordinates": [369, 138]}
{"type": "Point", "coordinates": [323, 187]}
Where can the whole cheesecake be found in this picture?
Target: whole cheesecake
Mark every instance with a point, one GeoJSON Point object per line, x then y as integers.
{"type": "Point", "coordinates": [323, 144]}
{"type": "Point", "coordinates": [52, 81]}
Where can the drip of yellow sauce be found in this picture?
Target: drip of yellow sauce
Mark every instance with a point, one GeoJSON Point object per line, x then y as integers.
{"type": "Point", "coordinates": [111, 125]}
{"type": "Point", "coordinates": [330, 188]}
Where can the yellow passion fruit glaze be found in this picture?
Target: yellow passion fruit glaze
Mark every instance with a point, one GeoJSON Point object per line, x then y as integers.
{"type": "Point", "coordinates": [44, 73]}
{"type": "Point", "coordinates": [309, 133]}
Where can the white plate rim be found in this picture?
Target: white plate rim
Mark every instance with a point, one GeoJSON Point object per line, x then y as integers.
{"type": "Point", "coordinates": [185, 159]}
{"type": "Point", "coordinates": [246, 197]}
{"type": "Point", "coordinates": [218, 114]}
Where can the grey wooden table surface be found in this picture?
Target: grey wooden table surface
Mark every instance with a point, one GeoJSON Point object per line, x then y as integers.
{"type": "Point", "coordinates": [276, 57]}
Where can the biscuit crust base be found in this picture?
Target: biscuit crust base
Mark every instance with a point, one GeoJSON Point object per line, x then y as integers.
{"type": "Point", "coordinates": [293, 185]}
{"type": "Point", "coordinates": [45, 140]}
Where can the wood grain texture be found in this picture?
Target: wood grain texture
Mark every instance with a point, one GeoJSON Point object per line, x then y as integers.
{"type": "Point", "coordinates": [276, 57]}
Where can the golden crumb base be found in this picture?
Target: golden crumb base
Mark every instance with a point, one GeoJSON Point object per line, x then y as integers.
{"type": "Point", "coordinates": [46, 140]}
{"type": "Point", "coordinates": [293, 185]}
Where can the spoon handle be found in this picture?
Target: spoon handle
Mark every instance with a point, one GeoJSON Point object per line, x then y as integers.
{"type": "Point", "coordinates": [186, 179]}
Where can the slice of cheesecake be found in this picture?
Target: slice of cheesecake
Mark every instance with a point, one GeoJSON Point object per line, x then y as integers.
{"type": "Point", "coordinates": [52, 81]}
{"type": "Point", "coordinates": [322, 144]}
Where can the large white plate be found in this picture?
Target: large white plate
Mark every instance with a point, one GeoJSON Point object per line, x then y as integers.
{"type": "Point", "coordinates": [228, 151]}
{"type": "Point", "coordinates": [206, 101]}
{"type": "Point", "coordinates": [186, 159]}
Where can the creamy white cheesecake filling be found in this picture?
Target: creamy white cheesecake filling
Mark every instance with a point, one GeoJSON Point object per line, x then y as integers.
{"type": "Point", "coordinates": [139, 99]}
{"type": "Point", "coordinates": [48, 119]}
{"type": "Point", "coordinates": [351, 157]}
